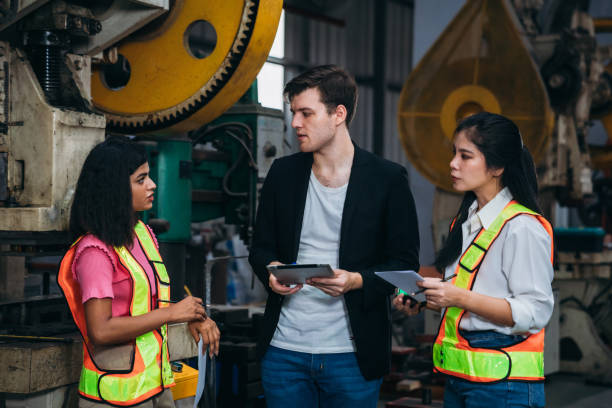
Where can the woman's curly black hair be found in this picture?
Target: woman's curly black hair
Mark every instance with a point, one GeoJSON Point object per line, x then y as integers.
{"type": "Point", "coordinates": [102, 203]}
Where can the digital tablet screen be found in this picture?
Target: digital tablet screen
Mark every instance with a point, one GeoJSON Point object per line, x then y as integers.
{"type": "Point", "coordinates": [406, 281]}
{"type": "Point", "coordinates": [291, 274]}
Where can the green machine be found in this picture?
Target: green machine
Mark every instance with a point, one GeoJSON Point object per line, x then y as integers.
{"type": "Point", "coordinates": [212, 173]}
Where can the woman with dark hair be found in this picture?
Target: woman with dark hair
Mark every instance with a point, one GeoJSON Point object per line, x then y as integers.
{"type": "Point", "coordinates": [498, 263]}
{"type": "Point", "coordinates": [117, 286]}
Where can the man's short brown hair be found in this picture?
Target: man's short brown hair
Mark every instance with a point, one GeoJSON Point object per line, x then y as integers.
{"type": "Point", "coordinates": [336, 87]}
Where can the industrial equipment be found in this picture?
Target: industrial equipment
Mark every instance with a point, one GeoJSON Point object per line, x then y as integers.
{"type": "Point", "coordinates": [467, 71]}
{"type": "Point", "coordinates": [161, 71]}
{"type": "Point", "coordinates": [538, 63]}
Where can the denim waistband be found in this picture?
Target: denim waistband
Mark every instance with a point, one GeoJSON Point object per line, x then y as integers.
{"type": "Point", "coordinates": [490, 338]}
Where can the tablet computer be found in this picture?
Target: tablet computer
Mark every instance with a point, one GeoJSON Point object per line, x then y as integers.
{"type": "Point", "coordinates": [406, 282]}
{"type": "Point", "coordinates": [291, 274]}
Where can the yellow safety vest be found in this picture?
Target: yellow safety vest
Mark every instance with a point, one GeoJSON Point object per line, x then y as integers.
{"type": "Point", "coordinates": [453, 355]}
{"type": "Point", "coordinates": [150, 369]}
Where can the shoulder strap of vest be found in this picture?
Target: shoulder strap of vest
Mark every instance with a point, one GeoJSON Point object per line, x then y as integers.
{"type": "Point", "coordinates": [148, 245]}
{"type": "Point", "coordinates": [474, 254]}
{"type": "Point", "coordinates": [146, 241]}
{"type": "Point", "coordinates": [452, 224]}
{"type": "Point", "coordinates": [76, 241]}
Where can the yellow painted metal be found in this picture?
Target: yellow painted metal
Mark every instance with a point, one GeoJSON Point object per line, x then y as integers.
{"type": "Point", "coordinates": [601, 156]}
{"type": "Point", "coordinates": [186, 382]}
{"type": "Point", "coordinates": [603, 24]}
{"type": "Point", "coordinates": [478, 63]}
{"type": "Point", "coordinates": [166, 79]}
{"type": "Point", "coordinates": [463, 102]}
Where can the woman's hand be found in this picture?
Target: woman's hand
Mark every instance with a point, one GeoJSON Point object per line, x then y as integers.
{"type": "Point", "coordinates": [280, 288]}
{"type": "Point", "coordinates": [187, 310]}
{"type": "Point", "coordinates": [442, 294]}
{"type": "Point", "coordinates": [445, 294]}
{"type": "Point", "coordinates": [209, 333]}
{"type": "Point", "coordinates": [104, 329]}
{"type": "Point", "coordinates": [409, 308]}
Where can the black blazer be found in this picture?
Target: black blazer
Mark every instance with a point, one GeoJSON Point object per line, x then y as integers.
{"type": "Point", "coordinates": [379, 231]}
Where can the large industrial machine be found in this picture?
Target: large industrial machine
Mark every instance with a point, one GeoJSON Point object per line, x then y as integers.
{"type": "Point", "coordinates": [175, 75]}
{"type": "Point", "coordinates": [538, 63]}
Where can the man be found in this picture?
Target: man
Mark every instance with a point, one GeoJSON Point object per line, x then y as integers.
{"type": "Point", "coordinates": [328, 343]}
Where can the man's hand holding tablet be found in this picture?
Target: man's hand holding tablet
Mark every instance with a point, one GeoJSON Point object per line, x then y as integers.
{"type": "Point", "coordinates": [296, 274]}
{"type": "Point", "coordinates": [341, 282]}
{"type": "Point", "coordinates": [280, 288]}
{"type": "Point", "coordinates": [288, 279]}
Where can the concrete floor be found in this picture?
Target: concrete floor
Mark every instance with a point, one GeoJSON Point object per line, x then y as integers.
{"type": "Point", "coordinates": [570, 391]}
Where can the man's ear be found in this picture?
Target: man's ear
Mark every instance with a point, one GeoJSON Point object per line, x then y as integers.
{"type": "Point", "coordinates": [340, 113]}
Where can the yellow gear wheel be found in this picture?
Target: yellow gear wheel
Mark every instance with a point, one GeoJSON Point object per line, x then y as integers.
{"type": "Point", "coordinates": [171, 90]}
{"type": "Point", "coordinates": [479, 63]}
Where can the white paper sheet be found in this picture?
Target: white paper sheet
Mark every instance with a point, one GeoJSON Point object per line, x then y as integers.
{"type": "Point", "coordinates": [405, 280]}
{"type": "Point", "coordinates": [202, 357]}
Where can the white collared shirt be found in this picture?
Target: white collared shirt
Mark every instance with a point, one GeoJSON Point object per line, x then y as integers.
{"type": "Point", "coordinates": [516, 267]}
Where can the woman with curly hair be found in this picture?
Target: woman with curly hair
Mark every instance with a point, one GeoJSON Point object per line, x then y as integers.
{"type": "Point", "coordinates": [117, 286]}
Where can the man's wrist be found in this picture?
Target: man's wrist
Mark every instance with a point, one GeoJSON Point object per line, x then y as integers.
{"type": "Point", "coordinates": [356, 281]}
{"type": "Point", "coordinates": [273, 263]}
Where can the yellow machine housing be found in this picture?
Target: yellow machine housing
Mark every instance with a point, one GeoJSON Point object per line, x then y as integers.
{"type": "Point", "coordinates": [479, 63]}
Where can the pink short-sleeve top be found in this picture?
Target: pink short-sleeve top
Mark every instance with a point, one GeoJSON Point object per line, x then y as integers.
{"type": "Point", "coordinates": [95, 269]}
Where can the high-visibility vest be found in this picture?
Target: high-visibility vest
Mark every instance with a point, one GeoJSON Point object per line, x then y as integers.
{"type": "Point", "coordinates": [453, 355]}
{"type": "Point", "coordinates": [150, 371]}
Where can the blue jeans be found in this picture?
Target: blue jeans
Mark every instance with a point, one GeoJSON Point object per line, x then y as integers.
{"type": "Point", "coordinates": [292, 379]}
{"type": "Point", "coordinates": [459, 393]}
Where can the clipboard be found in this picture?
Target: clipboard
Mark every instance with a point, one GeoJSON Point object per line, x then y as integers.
{"type": "Point", "coordinates": [406, 281]}
{"type": "Point", "coordinates": [292, 274]}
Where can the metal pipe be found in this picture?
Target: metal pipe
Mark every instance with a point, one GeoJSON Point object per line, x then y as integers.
{"type": "Point", "coordinates": [380, 81]}
{"type": "Point", "coordinates": [210, 402]}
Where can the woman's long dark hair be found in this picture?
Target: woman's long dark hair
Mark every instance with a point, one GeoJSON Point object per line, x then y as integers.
{"type": "Point", "coordinates": [102, 203]}
{"type": "Point", "coordinates": [499, 140]}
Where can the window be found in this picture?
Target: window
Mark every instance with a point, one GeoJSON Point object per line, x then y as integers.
{"type": "Point", "coordinates": [270, 80]}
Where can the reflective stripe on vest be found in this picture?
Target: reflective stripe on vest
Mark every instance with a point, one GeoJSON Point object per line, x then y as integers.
{"type": "Point", "coordinates": [453, 355]}
{"type": "Point", "coordinates": [150, 372]}
{"type": "Point", "coordinates": [163, 291]}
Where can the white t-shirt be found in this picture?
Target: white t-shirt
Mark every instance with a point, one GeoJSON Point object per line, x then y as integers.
{"type": "Point", "coordinates": [516, 267]}
{"type": "Point", "coordinates": [310, 320]}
